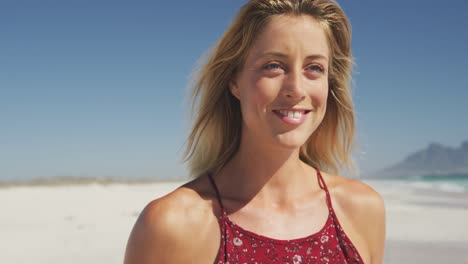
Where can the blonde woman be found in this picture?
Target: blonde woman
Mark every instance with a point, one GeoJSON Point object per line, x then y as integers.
{"type": "Point", "coordinates": [273, 124]}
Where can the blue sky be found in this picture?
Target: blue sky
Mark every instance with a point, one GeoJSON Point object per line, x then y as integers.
{"type": "Point", "coordinates": [96, 88]}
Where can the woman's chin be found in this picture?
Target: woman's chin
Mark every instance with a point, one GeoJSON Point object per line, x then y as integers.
{"type": "Point", "coordinates": [291, 141]}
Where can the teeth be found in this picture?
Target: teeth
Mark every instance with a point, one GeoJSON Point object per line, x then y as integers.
{"type": "Point", "coordinates": [291, 114]}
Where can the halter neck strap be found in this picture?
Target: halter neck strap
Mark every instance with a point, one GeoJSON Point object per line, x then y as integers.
{"type": "Point", "coordinates": [218, 196]}
{"type": "Point", "coordinates": [323, 185]}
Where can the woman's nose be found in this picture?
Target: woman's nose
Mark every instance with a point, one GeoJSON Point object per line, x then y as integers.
{"type": "Point", "coordinates": [293, 87]}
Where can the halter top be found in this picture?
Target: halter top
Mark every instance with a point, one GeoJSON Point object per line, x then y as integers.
{"type": "Point", "coordinates": [329, 245]}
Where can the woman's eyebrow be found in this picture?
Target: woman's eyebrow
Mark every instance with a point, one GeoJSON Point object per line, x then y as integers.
{"type": "Point", "coordinates": [273, 54]}
{"type": "Point", "coordinates": [259, 56]}
{"type": "Point", "coordinates": [317, 57]}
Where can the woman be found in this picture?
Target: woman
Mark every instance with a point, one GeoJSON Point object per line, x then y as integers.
{"type": "Point", "coordinates": [273, 112]}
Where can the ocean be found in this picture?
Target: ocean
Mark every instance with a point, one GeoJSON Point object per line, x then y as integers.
{"type": "Point", "coordinates": [447, 183]}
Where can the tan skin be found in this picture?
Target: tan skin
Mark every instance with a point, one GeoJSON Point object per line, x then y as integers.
{"type": "Point", "coordinates": [265, 187]}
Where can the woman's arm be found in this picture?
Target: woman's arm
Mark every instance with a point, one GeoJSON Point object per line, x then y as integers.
{"type": "Point", "coordinates": [173, 229]}
{"type": "Point", "coordinates": [155, 238]}
{"type": "Point", "coordinates": [375, 227]}
{"type": "Point", "coordinates": [362, 211]}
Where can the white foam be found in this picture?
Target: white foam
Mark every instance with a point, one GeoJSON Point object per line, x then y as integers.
{"type": "Point", "coordinates": [423, 185]}
{"type": "Point", "coordinates": [451, 187]}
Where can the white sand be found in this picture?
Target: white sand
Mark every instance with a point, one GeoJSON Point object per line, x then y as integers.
{"type": "Point", "coordinates": [91, 223]}
{"type": "Point", "coordinates": [71, 224]}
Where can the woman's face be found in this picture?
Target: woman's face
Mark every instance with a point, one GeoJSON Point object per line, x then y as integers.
{"type": "Point", "coordinates": [283, 85]}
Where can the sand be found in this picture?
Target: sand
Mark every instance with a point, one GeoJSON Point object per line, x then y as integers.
{"type": "Point", "coordinates": [90, 223]}
{"type": "Point", "coordinates": [424, 225]}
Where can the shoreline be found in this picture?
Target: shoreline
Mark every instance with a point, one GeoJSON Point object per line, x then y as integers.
{"type": "Point", "coordinates": [82, 180]}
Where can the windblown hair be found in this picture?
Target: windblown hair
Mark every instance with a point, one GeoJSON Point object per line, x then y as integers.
{"type": "Point", "coordinates": [216, 133]}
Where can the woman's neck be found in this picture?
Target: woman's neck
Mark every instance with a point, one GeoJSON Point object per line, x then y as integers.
{"type": "Point", "coordinates": [273, 174]}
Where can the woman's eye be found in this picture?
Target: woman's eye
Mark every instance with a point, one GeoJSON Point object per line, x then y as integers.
{"type": "Point", "coordinates": [272, 66]}
{"type": "Point", "coordinates": [316, 68]}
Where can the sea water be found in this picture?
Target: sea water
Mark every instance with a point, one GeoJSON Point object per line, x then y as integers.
{"type": "Point", "coordinates": [447, 183]}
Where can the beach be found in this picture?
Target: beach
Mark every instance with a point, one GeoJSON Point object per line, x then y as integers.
{"type": "Point", "coordinates": [90, 223]}
{"type": "Point", "coordinates": [426, 222]}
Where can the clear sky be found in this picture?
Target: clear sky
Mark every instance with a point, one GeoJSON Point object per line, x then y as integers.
{"type": "Point", "coordinates": [96, 88]}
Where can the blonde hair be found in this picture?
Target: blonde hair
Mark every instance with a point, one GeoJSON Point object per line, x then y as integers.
{"type": "Point", "coordinates": [216, 132]}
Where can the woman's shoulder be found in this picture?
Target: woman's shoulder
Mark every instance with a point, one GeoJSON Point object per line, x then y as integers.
{"type": "Point", "coordinates": [184, 205]}
{"type": "Point", "coordinates": [169, 224]}
{"type": "Point", "coordinates": [354, 194]}
{"type": "Point", "coordinates": [362, 208]}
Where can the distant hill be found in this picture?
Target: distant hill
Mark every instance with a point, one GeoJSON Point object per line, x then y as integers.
{"type": "Point", "coordinates": [435, 161]}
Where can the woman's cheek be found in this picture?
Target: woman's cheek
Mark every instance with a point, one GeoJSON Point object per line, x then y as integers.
{"type": "Point", "coordinates": [268, 89]}
{"type": "Point", "coordinates": [321, 94]}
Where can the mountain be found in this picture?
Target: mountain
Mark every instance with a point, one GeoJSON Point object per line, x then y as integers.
{"type": "Point", "coordinates": [435, 160]}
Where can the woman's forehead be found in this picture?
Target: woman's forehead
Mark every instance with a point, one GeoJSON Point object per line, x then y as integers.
{"type": "Point", "coordinates": [287, 35]}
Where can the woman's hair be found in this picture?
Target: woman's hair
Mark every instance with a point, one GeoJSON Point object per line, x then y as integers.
{"type": "Point", "coordinates": [216, 132]}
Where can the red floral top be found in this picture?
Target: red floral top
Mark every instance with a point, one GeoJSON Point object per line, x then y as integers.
{"type": "Point", "coordinates": [329, 245]}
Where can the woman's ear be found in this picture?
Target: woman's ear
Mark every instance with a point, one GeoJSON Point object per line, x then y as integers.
{"type": "Point", "coordinates": [234, 89]}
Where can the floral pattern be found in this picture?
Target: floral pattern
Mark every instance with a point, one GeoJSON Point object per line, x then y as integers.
{"type": "Point", "coordinates": [330, 245]}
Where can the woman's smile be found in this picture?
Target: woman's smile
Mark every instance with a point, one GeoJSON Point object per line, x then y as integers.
{"type": "Point", "coordinates": [291, 116]}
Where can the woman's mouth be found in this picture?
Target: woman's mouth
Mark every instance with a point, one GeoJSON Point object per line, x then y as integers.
{"type": "Point", "coordinates": [292, 116]}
